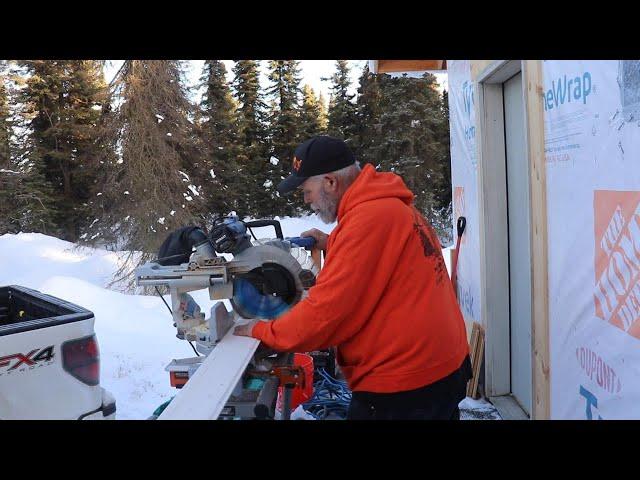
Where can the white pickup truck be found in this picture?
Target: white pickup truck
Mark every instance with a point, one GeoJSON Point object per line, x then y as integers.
{"type": "Point", "coordinates": [49, 359]}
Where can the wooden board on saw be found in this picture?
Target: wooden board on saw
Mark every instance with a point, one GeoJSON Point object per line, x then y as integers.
{"type": "Point", "coordinates": [205, 394]}
{"type": "Point", "coordinates": [476, 350]}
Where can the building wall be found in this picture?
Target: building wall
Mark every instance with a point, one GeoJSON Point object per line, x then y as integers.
{"type": "Point", "coordinates": [464, 180]}
{"type": "Point", "coordinates": [592, 147]}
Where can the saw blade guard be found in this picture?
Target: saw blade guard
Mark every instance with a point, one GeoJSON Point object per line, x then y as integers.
{"type": "Point", "coordinates": [271, 283]}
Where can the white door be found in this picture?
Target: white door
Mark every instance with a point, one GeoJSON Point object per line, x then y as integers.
{"type": "Point", "coordinates": [519, 244]}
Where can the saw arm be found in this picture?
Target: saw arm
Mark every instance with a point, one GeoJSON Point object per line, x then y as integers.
{"type": "Point", "coordinates": [261, 281]}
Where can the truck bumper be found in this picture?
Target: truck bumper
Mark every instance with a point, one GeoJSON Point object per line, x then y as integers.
{"type": "Point", "coordinates": [107, 410]}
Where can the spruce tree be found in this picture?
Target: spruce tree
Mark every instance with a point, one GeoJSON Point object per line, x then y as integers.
{"type": "Point", "coordinates": [367, 112]}
{"type": "Point", "coordinates": [310, 115]}
{"type": "Point", "coordinates": [218, 134]}
{"type": "Point", "coordinates": [30, 204]}
{"type": "Point", "coordinates": [26, 199]}
{"type": "Point", "coordinates": [404, 129]}
{"type": "Point", "coordinates": [312, 123]}
{"type": "Point", "coordinates": [252, 148]}
{"type": "Point", "coordinates": [5, 121]}
{"type": "Point", "coordinates": [9, 179]}
{"type": "Point", "coordinates": [150, 183]}
{"type": "Point", "coordinates": [24, 202]}
{"type": "Point", "coordinates": [342, 109]}
{"type": "Point", "coordinates": [443, 215]}
{"type": "Point", "coordinates": [61, 103]}
{"type": "Point", "coordinates": [283, 128]}
{"type": "Point", "coordinates": [9, 184]}
{"type": "Point", "coordinates": [324, 114]}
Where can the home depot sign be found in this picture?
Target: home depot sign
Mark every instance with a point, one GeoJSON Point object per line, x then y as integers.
{"type": "Point", "coordinates": [617, 259]}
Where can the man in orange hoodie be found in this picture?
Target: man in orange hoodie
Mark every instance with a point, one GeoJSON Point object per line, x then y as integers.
{"type": "Point", "coordinates": [383, 297]}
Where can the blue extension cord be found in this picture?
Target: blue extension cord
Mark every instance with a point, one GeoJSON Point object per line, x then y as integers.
{"type": "Point", "coordinates": [330, 397]}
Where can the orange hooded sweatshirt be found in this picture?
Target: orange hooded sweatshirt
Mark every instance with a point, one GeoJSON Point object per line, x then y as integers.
{"type": "Point", "coordinates": [383, 297]}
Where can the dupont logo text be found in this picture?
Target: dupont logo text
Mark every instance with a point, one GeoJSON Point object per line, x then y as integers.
{"type": "Point", "coordinates": [597, 370]}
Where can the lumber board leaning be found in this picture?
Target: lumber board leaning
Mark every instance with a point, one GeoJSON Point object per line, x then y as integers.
{"type": "Point", "coordinates": [478, 364]}
{"type": "Point", "coordinates": [476, 349]}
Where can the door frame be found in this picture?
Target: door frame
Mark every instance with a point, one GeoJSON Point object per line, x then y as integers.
{"type": "Point", "coordinates": [492, 201]}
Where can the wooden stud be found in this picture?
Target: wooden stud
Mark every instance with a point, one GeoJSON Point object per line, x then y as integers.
{"type": "Point", "coordinates": [541, 404]}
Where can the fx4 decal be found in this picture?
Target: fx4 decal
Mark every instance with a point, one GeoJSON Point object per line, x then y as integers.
{"type": "Point", "coordinates": [37, 357]}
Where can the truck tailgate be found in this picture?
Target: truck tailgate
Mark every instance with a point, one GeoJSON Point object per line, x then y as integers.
{"type": "Point", "coordinates": [34, 383]}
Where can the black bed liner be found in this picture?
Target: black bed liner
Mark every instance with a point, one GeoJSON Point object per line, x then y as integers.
{"type": "Point", "coordinates": [23, 309]}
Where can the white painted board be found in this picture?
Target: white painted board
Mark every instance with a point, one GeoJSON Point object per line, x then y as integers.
{"type": "Point", "coordinates": [203, 397]}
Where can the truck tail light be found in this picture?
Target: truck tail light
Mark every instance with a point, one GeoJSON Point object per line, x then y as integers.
{"type": "Point", "coordinates": [81, 358]}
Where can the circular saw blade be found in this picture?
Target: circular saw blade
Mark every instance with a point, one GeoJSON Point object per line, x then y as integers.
{"type": "Point", "coordinates": [249, 302]}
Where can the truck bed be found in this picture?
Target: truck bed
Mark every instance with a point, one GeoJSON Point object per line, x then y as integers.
{"type": "Point", "coordinates": [23, 309]}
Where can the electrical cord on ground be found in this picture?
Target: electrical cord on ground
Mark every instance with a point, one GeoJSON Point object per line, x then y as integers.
{"type": "Point", "coordinates": [331, 397]}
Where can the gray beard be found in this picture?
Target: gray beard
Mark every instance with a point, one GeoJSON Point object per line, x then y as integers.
{"type": "Point", "coordinates": [328, 208]}
{"type": "Point", "coordinates": [326, 217]}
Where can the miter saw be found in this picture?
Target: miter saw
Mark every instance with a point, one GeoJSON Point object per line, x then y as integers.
{"type": "Point", "coordinates": [262, 278]}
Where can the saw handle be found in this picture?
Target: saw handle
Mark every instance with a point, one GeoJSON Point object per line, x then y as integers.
{"type": "Point", "coordinates": [267, 223]}
{"type": "Point", "coordinates": [304, 242]}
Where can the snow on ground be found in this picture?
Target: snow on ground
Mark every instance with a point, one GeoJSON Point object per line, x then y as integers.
{"type": "Point", "coordinates": [29, 259]}
{"type": "Point", "coordinates": [135, 332]}
{"type": "Point", "coordinates": [471, 409]}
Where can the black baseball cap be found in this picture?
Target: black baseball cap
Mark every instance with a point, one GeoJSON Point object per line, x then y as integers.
{"type": "Point", "coordinates": [318, 155]}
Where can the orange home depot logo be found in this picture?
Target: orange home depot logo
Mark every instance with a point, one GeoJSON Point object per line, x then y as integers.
{"type": "Point", "coordinates": [296, 163]}
{"type": "Point", "coordinates": [458, 206]}
{"type": "Point", "coordinates": [617, 259]}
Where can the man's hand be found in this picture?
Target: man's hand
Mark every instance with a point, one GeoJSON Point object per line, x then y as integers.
{"type": "Point", "coordinates": [321, 237]}
{"type": "Point", "coordinates": [245, 330]}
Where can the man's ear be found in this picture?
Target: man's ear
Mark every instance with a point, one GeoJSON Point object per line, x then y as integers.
{"type": "Point", "coordinates": [331, 182]}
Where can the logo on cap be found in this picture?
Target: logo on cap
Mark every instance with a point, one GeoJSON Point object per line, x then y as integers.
{"type": "Point", "coordinates": [297, 163]}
